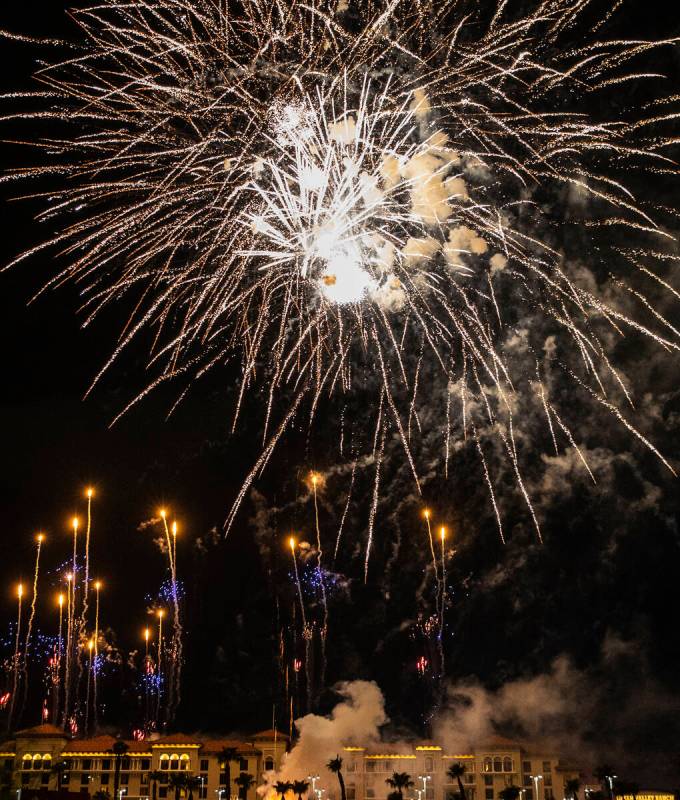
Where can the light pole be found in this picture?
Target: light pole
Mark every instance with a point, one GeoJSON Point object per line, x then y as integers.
{"type": "Point", "coordinates": [219, 793]}
{"type": "Point", "coordinates": [313, 779]}
{"type": "Point", "coordinates": [536, 779]}
{"type": "Point", "coordinates": [424, 779]}
{"type": "Point", "coordinates": [121, 793]}
{"type": "Point", "coordinates": [610, 780]}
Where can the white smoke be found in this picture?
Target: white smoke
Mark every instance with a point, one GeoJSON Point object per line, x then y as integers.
{"type": "Point", "coordinates": [355, 720]}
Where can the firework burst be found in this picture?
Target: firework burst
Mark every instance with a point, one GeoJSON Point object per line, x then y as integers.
{"type": "Point", "coordinates": [321, 190]}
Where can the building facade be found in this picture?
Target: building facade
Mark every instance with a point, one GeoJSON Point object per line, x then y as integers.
{"type": "Point", "coordinates": [540, 774]}
{"type": "Point", "coordinates": [44, 759]}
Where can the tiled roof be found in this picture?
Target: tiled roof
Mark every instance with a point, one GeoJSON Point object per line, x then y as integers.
{"type": "Point", "coordinates": [270, 734]}
{"type": "Point", "coordinates": [217, 745]}
{"type": "Point", "coordinates": [42, 730]}
{"type": "Point", "coordinates": [103, 744]}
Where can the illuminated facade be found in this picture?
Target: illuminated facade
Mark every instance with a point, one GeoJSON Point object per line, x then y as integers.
{"type": "Point", "coordinates": [147, 769]}
{"type": "Point", "coordinates": [540, 774]}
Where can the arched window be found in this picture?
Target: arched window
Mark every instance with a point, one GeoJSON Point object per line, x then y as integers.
{"type": "Point", "coordinates": [497, 764]}
{"type": "Point", "coordinates": [507, 764]}
{"type": "Point", "coordinates": [487, 765]}
{"type": "Point", "coordinates": [165, 761]}
{"type": "Point", "coordinates": [268, 764]}
{"type": "Point", "coordinates": [37, 761]}
{"type": "Point", "coordinates": [47, 761]}
{"type": "Point", "coordinates": [184, 761]}
{"type": "Point", "coordinates": [27, 761]}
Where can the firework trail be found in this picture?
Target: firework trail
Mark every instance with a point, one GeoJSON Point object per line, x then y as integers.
{"type": "Point", "coordinates": [15, 660]}
{"type": "Point", "coordinates": [95, 670]}
{"type": "Point", "coordinates": [29, 628]}
{"type": "Point", "coordinates": [307, 631]}
{"type": "Point", "coordinates": [72, 638]}
{"type": "Point", "coordinates": [159, 667]}
{"type": "Point", "coordinates": [90, 652]}
{"type": "Point", "coordinates": [442, 604]}
{"type": "Point", "coordinates": [56, 666]}
{"type": "Point", "coordinates": [314, 478]}
{"type": "Point", "coordinates": [69, 644]}
{"type": "Point", "coordinates": [86, 576]}
{"type": "Point", "coordinates": [174, 672]}
{"type": "Point", "coordinates": [329, 193]}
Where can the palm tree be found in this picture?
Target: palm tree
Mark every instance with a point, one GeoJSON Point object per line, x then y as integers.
{"type": "Point", "coordinates": [300, 788]}
{"type": "Point", "coordinates": [400, 781]}
{"type": "Point", "coordinates": [509, 793]}
{"type": "Point", "coordinates": [393, 796]}
{"type": "Point", "coordinates": [177, 781]}
{"type": "Point", "coordinates": [225, 757]}
{"type": "Point", "coordinates": [119, 750]}
{"type": "Point", "coordinates": [571, 787]}
{"type": "Point", "coordinates": [244, 781]}
{"type": "Point", "coordinates": [59, 769]}
{"type": "Point", "coordinates": [154, 776]}
{"type": "Point", "coordinates": [605, 775]}
{"type": "Point", "coordinates": [456, 772]}
{"type": "Point", "coordinates": [282, 787]}
{"type": "Point", "coordinates": [335, 766]}
{"type": "Point", "coordinates": [192, 782]}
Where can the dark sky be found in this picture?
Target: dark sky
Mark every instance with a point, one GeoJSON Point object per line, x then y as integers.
{"type": "Point", "coordinates": [55, 442]}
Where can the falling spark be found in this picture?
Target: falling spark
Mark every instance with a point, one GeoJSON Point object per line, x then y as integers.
{"type": "Point", "coordinates": [95, 639]}
{"type": "Point", "coordinates": [314, 479]}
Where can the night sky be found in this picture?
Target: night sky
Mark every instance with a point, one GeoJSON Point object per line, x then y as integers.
{"type": "Point", "coordinates": [602, 591]}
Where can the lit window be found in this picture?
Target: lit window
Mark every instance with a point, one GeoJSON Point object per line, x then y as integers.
{"type": "Point", "coordinates": [487, 765]}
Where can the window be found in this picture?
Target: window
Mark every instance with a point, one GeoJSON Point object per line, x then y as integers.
{"type": "Point", "coordinates": [497, 764]}
{"type": "Point", "coordinates": [351, 790]}
{"type": "Point", "coordinates": [429, 764]}
{"type": "Point", "coordinates": [45, 778]}
{"type": "Point", "coordinates": [105, 779]}
{"type": "Point", "coordinates": [162, 791]}
{"type": "Point", "coordinates": [174, 761]}
{"type": "Point", "coordinates": [204, 765]}
{"type": "Point", "coordinates": [546, 766]}
{"type": "Point", "coordinates": [486, 766]}
{"type": "Point", "coordinates": [9, 763]}
{"type": "Point", "coordinates": [526, 766]}
{"type": "Point", "coordinates": [125, 763]}
{"type": "Point", "coordinates": [243, 764]}
{"type": "Point", "coordinates": [268, 763]}
{"type": "Point", "coordinates": [37, 761]}
{"type": "Point", "coordinates": [223, 778]}
{"type": "Point", "coordinates": [507, 764]}
{"type": "Point", "coordinates": [24, 780]}
{"type": "Point", "coordinates": [488, 780]}
{"type": "Point", "coordinates": [548, 794]}
{"type": "Point", "coordinates": [87, 763]}
{"type": "Point", "coordinates": [468, 777]}
{"type": "Point", "coordinates": [47, 761]}
{"type": "Point", "coordinates": [184, 762]}
{"type": "Point", "coordinates": [429, 793]}
{"type": "Point", "coordinates": [66, 777]}
{"type": "Point", "coordinates": [106, 763]}
{"type": "Point", "coordinates": [145, 764]}
{"type": "Point", "coordinates": [547, 779]}
{"type": "Point", "coordinates": [84, 779]}
{"type": "Point", "coordinates": [203, 792]}
{"type": "Point", "coordinates": [488, 794]}
{"type": "Point", "coordinates": [527, 780]}
{"type": "Point", "coordinates": [164, 780]}
{"type": "Point", "coordinates": [370, 766]}
{"type": "Point", "coordinates": [351, 766]}
{"type": "Point", "coordinates": [144, 779]}
{"type": "Point", "coordinates": [369, 794]}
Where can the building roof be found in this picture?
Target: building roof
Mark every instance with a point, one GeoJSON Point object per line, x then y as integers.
{"type": "Point", "coordinates": [217, 745]}
{"type": "Point", "coordinates": [270, 734]}
{"type": "Point", "coordinates": [42, 730]}
{"type": "Point", "coordinates": [103, 744]}
{"type": "Point", "coordinates": [499, 743]}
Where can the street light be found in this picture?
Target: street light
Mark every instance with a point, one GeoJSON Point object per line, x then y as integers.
{"type": "Point", "coordinates": [425, 779]}
{"type": "Point", "coordinates": [313, 779]}
{"type": "Point", "coordinates": [121, 793]}
{"type": "Point", "coordinates": [536, 779]}
{"type": "Point", "coordinates": [219, 793]}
